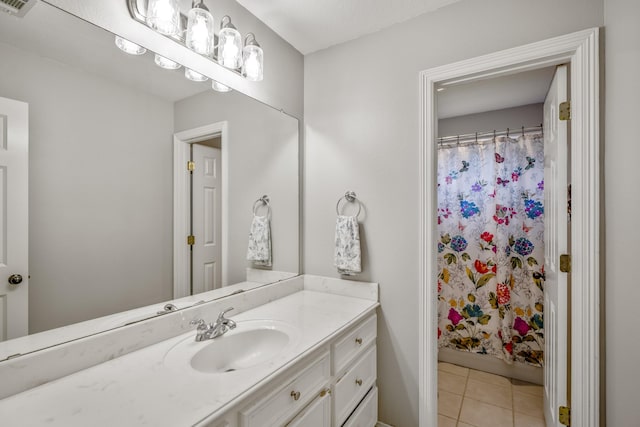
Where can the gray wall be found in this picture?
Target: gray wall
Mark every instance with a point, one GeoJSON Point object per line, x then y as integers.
{"type": "Point", "coordinates": [263, 159]}
{"type": "Point", "coordinates": [283, 75]}
{"type": "Point", "coordinates": [100, 180]}
{"type": "Point", "coordinates": [499, 120]}
{"type": "Point", "coordinates": [361, 133]}
{"type": "Point", "coordinates": [622, 203]}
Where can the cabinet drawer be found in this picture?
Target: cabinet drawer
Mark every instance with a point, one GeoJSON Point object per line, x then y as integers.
{"type": "Point", "coordinates": [317, 414]}
{"type": "Point", "coordinates": [353, 386]}
{"type": "Point", "coordinates": [349, 346]}
{"type": "Point", "coordinates": [366, 415]}
{"type": "Point", "coordinates": [288, 399]}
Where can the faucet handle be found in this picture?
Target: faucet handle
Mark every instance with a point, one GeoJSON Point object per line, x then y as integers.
{"type": "Point", "coordinates": [223, 312]}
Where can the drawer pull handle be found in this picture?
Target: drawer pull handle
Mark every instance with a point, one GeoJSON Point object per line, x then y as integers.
{"type": "Point", "coordinates": [359, 382]}
{"type": "Point", "coordinates": [295, 395]}
{"type": "Point", "coordinates": [359, 341]}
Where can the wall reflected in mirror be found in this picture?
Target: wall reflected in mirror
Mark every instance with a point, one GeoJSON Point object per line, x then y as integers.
{"type": "Point", "coordinates": [101, 175]}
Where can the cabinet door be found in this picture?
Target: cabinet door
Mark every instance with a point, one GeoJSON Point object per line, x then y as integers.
{"type": "Point", "coordinates": [317, 414]}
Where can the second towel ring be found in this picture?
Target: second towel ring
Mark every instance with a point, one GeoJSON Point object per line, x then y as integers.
{"type": "Point", "coordinates": [264, 200]}
{"type": "Point", "coordinates": [349, 197]}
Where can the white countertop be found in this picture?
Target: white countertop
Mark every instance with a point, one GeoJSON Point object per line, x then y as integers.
{"type": "Point", "coordinates": [140, 389]}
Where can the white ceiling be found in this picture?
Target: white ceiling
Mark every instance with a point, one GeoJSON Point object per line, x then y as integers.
{"type": "Point", "coordinates": [311, 25]}
{"type": "Point", "coordinates": [514, 90]}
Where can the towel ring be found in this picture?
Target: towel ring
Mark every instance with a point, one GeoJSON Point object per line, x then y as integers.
{"type": "Point", "coordinates": [262, 201]}
{"type": "Point", "coordinates": [349, 197]}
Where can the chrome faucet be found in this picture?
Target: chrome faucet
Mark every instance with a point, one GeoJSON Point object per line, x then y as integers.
{"type": "Point", "coordinates": [213, 330]}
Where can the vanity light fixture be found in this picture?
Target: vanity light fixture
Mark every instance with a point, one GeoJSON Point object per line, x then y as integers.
{"type": "Point", "coordinates": [219, 87]}
{"type": "Point", "coordinates": [226, 48]}
{"type": "Point", "coordinates": [164, 17]}
{"type": "Point", "coordinates": [194, 76]}
{"type": "Point", "coordinates": [200, 29]}
{"type": "Point", "coordinates": [229, 45]}
{"type": "Point", "coordinates": [252, 59]}
{"type": "Point", "coordinates": [166, 63]}
{"type": "Point", "coordinates": [129, 47]}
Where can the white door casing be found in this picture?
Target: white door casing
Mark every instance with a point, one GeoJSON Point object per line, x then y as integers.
{"type": "Point", "coordinates": [581, 51]}
{"type": "Point", "coordinates": [206, 252]}
{"type": "Point", "coordinates": [14, 217]}
{"type": "Point", "coordinates": [556, 231]}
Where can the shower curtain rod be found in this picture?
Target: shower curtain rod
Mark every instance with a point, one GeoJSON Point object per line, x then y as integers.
{"type": "Point", "coordinates": [472, 138]}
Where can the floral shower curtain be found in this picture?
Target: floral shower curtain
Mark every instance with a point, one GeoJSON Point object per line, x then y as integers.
{"type": "Point", "coordinates": [490, 253]}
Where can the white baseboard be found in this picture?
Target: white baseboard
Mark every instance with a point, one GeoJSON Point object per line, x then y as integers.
{"type": "Point", "coordinates": [492, 365]}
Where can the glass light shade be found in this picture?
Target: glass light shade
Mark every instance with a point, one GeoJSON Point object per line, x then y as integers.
{"type": "Point", "coordinates": [230, 48]}
{"type": "Point", "coordinates": [200, 31]}
{"type": "Point", "coordinates": [194, 76]}
{"type": "Point", "coordinates": [164, 16]}
{"type": "Point", "coordinates": [252, 62]}
{"type": "Point", "coordinates": [129, 47]}
{"type": "Point", "coordinates": [166, 63]}
{"type": "Point", "coordinates": [219, 87]}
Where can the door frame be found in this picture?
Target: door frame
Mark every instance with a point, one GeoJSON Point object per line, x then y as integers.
{"type": "Point", "coordinates": [181, 207]}
{"type": "Point", "coordinates": [581, 50]}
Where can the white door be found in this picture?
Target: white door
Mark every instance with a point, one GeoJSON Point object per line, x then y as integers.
{"type": "Point", "coordinates": [206, 253]}
{"type": "Point", "coordinates": [14, 218]}
{"type": "Point", "coordinates": [556, 164]}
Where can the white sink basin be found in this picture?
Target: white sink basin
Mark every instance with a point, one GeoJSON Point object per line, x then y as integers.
{"type": "Point", "coordinates": [252, 343]}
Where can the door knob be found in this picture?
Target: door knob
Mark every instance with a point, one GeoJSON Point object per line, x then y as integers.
{"type": "Point", "coordinates": [15, 279]}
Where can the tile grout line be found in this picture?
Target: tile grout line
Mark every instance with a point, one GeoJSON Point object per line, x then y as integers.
{"type": "Point", "coordinates": [464, 393]}
{"type": "Point", "coordinates": [513, 402]}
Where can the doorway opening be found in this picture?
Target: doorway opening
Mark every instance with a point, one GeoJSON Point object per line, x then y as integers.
{"type": "Point", "coordinates": [580, 51]}
{"type": "Point", "coordinates": [501, 188]}
{"type": "Point", "coordinates": [200, 209]}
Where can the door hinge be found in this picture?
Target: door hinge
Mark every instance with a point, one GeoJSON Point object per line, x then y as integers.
{"type": "Point", "coordinates": [564, 415]}
{"type": "Point", "coordinates": [565, 110]}
{"type": "Point", "coordinates": [191, 240]}
{"type": "Point", "coordinates": [565, 263]}
{"type": "Point", "coordinates": [191, 166]}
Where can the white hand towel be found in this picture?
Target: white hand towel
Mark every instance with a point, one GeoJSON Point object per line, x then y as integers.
{"type": "Point", "coordinates": [259, 250]}
{"type": "Point", "coordinates": [347, 257]}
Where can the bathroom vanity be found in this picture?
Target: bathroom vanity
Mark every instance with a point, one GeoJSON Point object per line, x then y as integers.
{"type": "Point", "coordinates": [303, 355]}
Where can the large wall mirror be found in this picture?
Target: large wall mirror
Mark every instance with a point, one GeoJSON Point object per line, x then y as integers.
{"type": "Point", "coordinates": [111, 200]}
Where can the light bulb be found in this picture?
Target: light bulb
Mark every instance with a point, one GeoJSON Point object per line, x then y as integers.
{"type": "Point", "coordinates": [252, 63]}
{"type": "Point", "coordinates": [219, 87]}
{"type": "Point", "coordinates": [129, 47]}
{"type": "Point", "coordinates": [194, 75]}
{"type": "Point", "coordinates": [200, 30]}
{"type": "Point", "coordinates": [164, 16]}
{"type": "Point", "coordinates": [166, 63]}
{"type": "Point", "coordinates": [229, 45]}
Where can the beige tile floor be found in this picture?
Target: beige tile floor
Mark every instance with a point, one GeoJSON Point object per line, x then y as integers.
{"type": "Point", "coordinates": [470, 398]}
